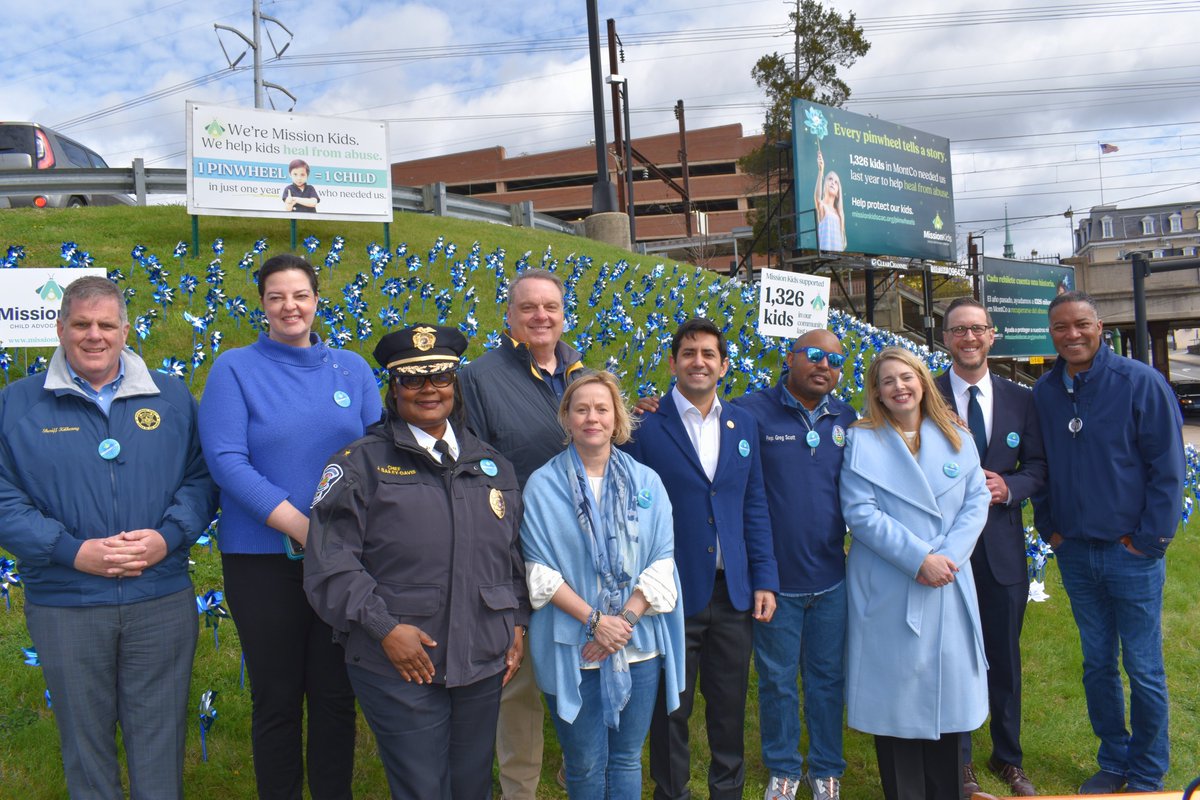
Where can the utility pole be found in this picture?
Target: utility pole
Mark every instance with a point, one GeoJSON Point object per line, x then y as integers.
{"type": "Point", "coordinates": [683, 164]}
{"type": "Point", "coordinates": [604, 194]}
{"type": "Point", "coordinates": [618, 131]}
{"type": "Point", "coordinates": [254, 43]}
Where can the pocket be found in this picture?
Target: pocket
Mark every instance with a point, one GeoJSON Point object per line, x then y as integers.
{"type": "Point", "coordinates": [411, 600]}
{"type": "Point", "coordinates": [499, 597]}
{"type": "Point", "coordinates": [495, 635]}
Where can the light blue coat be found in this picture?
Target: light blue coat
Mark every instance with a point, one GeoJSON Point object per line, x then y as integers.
{"type": "Point", "coordinates": [915, 662]}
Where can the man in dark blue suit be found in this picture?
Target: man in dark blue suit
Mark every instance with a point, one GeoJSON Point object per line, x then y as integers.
{"type": "Point", "coordinates": [1004, 424]}
{"type": "Point", "coordinates": [707, 455]}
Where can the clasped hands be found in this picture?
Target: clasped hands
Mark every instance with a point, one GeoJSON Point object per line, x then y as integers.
{"type": "Point", "coordinates": [124, 555]}
{"type": "Point", "coordinates": [936, 571]}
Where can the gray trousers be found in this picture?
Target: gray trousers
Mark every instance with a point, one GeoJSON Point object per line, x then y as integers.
{"type": "Point", "coordinates": [129, 665]}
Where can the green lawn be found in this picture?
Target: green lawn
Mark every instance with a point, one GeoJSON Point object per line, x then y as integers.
{"type": "Point", "coordinates": [1058, 742]}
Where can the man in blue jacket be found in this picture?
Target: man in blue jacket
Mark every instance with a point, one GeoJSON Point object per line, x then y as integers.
{"type": "Point", "coordinates": [802, 435]}
{"type": "Point", "coordinates": [707, 455]}
{"type": "Point", "coordinates": [1114, 444]}
{"type": "Point", "coordinates": [103, 490]}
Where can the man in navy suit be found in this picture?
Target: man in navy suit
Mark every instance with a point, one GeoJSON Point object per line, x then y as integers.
{"type": "Point", "coordinates": [707, 455]}
{"type": "Point", "coordinates": [1004, 424]}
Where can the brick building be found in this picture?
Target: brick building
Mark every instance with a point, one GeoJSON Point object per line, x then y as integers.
{"type": "Point", "coordinates": [559, 183]}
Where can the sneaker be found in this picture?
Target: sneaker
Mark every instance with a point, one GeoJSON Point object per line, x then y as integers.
{"type": "Point", "coordinates": [825, 788]}
{"type": "Point", "coordinates": [561, 777]}
{"type": "Point", "coordinates": [1103, 782]}
{"type": "Point", "coordinates": [970, 782]}
{"type": "Point", "coordinates": [781, 788]}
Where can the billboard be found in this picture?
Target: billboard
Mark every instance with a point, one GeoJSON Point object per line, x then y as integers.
{"type": "Point", "coordinates": [246, 162]}
{"type": "Point", "coordinates": [1017, 294]}
{"type": "Point", "coordinates": [791, 303]}
{"type": "Point", "coordinates": [869, 186]}
{"type": "Point", "coordinates": [32, 296]}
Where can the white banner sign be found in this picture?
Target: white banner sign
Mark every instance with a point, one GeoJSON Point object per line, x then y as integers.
{"type": "Point", "coordinates": [790, 303]}
{"type": "Point", "coordinates": [32, 296]}
{"type": "Point", "coordinates": [254, 163]}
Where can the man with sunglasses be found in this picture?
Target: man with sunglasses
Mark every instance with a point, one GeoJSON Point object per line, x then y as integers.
{"type": "Point", "coordinates": [1004, 425]}
{"type": "Point", "coordinates": [802, 434]}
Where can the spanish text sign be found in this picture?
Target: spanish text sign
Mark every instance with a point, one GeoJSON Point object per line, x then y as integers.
{"type": "Point", "coordinates": [255, 163]}
{"type": "Point", "coordinates": [1017, 294]}
{"type": "Point", "coordinates": [32, 297]}
{"type": "Point", "coordinates": [790, 303]}
{"type": "Point", "coordinates": [868, 186]}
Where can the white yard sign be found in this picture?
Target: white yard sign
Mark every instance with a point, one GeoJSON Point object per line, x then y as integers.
{"type": "Point", "coordinates": [31, 299]}
{"type": "Point", "coordinates": [790, 303]}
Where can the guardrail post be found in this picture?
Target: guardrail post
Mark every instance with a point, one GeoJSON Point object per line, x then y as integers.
{"type": "Point", "coordinates": [522, 214]}
{"type": "Point", "coordinates": [434, 195]}
{"type": "Point", "coordinates": [139, 180]}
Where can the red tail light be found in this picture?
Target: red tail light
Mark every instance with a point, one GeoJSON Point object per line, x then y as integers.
{"type": "Point", "coordinates": [45, 154]}
{"type": "Point", "coordinates": [39, 201]}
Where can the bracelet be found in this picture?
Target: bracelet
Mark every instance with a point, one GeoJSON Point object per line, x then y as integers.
{"type": "Point", "coordinates": [592, 623]}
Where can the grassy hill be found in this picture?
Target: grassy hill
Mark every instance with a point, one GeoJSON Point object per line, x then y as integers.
{"type": "Point", "coordinates": [622, 309]}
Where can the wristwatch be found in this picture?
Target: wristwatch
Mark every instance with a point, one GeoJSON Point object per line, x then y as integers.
{"type": "Point", "coordinates": [630, 617]}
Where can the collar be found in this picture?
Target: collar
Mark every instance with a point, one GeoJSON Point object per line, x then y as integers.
{"type": "Point", "coordinates": [110, 388]}
{"type": "Point", "coordinates": [788, 399]}
{"type": "Point", "coordinates": [310, 356]}
{"type": "Point", "coordinates": [684, 405]}
{"type": "Point", "coordinates": [427, 441]}
{"type": "Point", "coordinates": [959, 386]}
{"type": "Point", "coordinates": [568, 358]}
{"type": "Point", "coordinates": [137, 379]}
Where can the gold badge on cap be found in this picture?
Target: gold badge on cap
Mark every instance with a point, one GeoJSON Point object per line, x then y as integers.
{"type": "Point", "coordinates": [424, 338]}
{"type": "Point", "coordinates": [496, 501]}
{"type": "Point", "coordinates": [147, 418]}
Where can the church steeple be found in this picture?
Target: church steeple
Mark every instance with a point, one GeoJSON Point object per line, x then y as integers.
{"type": "Point", "coordinates": [1009, 252]}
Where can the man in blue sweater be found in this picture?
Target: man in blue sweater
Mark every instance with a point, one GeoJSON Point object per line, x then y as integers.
{"type": "Point", "coordinates": [103, 490]}
{"type": "Point", "coordinates": [802, 433]}
{"type": "Point", "coordinates": [1114, 445]}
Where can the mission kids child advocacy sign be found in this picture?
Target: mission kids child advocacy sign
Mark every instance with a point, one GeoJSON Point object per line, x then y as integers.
{"type": "Point", "coordinates": [1017, 295]}
{"type": "Point", "coordinates": [868, 186]}
{"type": "Point", "coordinates": [32, 298]}
{"type": "Point", "coordinates": [254, 163]}
{"type": "Point", "coordinates": [790, 303]}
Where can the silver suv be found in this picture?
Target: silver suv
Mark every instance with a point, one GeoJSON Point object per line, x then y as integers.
{"type": "Point", "coordinates": [28, 145]}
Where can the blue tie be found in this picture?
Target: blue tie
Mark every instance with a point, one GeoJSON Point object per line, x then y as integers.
{"type": "Point", "coordinates": [975, 421]}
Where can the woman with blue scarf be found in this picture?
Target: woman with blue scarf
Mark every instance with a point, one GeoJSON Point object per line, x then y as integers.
{"type": "Point", "coordinates": [606, 626]}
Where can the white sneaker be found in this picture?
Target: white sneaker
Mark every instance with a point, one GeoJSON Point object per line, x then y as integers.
{"type": "Point", "coordinates": [782, 788]}
{"type": "Point", "coordinates": [825, 788]}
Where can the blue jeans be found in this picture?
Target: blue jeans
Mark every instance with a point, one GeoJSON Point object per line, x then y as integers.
{"type": "Point", "coordinates": [1117, 600]}
{"type": "Point", "coordinates": [601, 763]}
{"type": "Point", "coordinates": [807, 636]}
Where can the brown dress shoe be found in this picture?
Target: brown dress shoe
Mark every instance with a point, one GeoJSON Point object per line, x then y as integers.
{"type": "Point", "coordinates": [1014, 776]}
{"type": "Point", "coordinates": [970, 782]}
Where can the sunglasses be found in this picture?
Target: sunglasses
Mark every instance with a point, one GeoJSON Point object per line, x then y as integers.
{"type": "Point", "coordinates": [413, 382]}
{"type": "Point", "coordinates": [816, 354]}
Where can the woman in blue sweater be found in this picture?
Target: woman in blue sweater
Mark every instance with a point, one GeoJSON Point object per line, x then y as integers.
{"type": "Point", "coordinates": [271, 415]}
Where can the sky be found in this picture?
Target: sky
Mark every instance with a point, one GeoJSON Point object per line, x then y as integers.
{"type": "Point", "coordinates": [1025, 90]}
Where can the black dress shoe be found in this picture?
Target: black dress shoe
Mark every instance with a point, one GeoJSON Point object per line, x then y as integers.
{"type": "Point", "coordinates": [1103, 782]}
{"type": "Point", "coordinates": [970, 782]}
{"type": "Point", "coordinates": [1014, 776]}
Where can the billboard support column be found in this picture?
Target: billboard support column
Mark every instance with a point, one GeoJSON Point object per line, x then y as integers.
{"type": "Point", "coordinates": [604, 193]}
{"type": "Point", "coordinates": [869, 291]}
{"type": "Point", "coordinates": [927, 289]}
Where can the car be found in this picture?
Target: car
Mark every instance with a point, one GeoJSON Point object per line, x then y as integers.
{"type": "Point", "coordinates": [1188, 394]}
{"type": "Point", "coordinates": [28, 145]}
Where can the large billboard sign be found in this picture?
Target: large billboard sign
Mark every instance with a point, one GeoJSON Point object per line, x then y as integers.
{"type": "Point", "coordinates": [32, 297]}
{"type": "Point", "coordinates": [868, 186]}
{"type": "Point", "coordinates": [1017, 294]}
{"type": "Point", "coordinates": [253, 163]}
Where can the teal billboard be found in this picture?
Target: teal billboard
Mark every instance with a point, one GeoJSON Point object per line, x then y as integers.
{"type": "Point", "coordinates": [868, 186]}
{"type": "Point", "coordinates": [1017, 294]}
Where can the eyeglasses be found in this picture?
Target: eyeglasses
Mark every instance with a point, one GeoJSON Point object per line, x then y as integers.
{"type": "Point", "coordinates": [816, 354]}
{"type": "Point", "coordinates": [413, 382]}
{"type": "Point", "coordinates": [960, 331]}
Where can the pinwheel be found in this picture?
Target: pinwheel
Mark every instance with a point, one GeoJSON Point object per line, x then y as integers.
{"type": "Point", "coordinates": [174, 367]}
{"type": "Point", "coordinates": [8, 578]}
{"type": "Point", "coordinates": [311, 243]}
{"type": "Point", "coordinates": [208, 715]}
{"type": "Point", "coordinates": [209, 606]}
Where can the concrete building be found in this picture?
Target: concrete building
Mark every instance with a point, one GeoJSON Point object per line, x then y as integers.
{"type": "Point", "coordinates": [559, 183]}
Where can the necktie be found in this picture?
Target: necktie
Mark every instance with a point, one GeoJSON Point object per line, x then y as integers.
{"type": "Point", "coordinates": [443, 447]}
{"type": "Point", "coordinates": [975, 422]}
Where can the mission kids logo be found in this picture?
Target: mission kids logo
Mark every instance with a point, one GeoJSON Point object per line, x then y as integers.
{"type": "Point", "coordinates": [936, 234]}
{"type": "Point", "coordinates": [48, 292]}
{"type": "Point", "coordinates": [215, 129]}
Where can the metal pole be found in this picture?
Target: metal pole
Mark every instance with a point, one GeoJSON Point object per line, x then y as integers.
{"type": "Point", "coordinates": [1141, 346]}
{"type": "Point", "coordinates": [869, 289]}
{"type": "Point", "coordinates": [618, 134]}
{"type": "Point", "coordinates": [927, 289]}
{"type": "Point", "coordinates": [604, 193]}
{"type": "Point", "coordinates": [683, 165]}
{"type": "Point", "coordinates": [629, 165]}
{"type": "Point", "coordinates": [258, 77]}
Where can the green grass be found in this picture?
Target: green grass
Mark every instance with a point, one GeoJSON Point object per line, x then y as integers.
{"type": "Point", "coordinates": [1059, 746]}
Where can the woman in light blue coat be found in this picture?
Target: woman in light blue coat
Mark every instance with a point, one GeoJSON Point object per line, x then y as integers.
{"type": "Point", "coordinates": [915, 500]}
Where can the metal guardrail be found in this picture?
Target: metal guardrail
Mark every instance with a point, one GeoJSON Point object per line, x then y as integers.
{"type": "Point", "coordinates": [139, 182]}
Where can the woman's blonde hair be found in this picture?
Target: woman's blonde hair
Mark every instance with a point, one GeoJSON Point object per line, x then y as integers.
{"type": "Point", "coordinates": [933, 405]}
{"type": "Point", "coordinates": [623, 421]}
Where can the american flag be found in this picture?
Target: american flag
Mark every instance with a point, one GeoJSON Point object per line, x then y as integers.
{"type": "Point", "coordinates": [1105, 149]}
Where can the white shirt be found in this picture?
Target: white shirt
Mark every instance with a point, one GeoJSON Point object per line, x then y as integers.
{"type": "Point", "coordinates": [962, 396]}
{"type": "Point", "coordinates": [705, 433]}
{"type": "Point", "coordinates": [426, 441]}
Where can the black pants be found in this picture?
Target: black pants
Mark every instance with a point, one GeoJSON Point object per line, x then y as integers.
{"type": "Point", "coordinates": [291, 657]}
{"type": "Point", "coordinates": [718, 642]}
{"type": "Point", "coordinates": [920, 769]}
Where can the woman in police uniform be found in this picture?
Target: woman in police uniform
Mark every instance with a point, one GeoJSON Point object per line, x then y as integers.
{"type": "Point", "coordinates": [413, 557]}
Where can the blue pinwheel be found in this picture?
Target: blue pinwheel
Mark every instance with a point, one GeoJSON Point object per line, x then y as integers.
{"type": "Point", "coordinates": [209, 606]}
{"type": "Point", "coordinates": [8, 578]}
{"type": "Point", "coordinates": [311, 243]}
{"type": "Point", "coordinates": [31, 656]}
{"type": "Point", "coordinates": [207, 716]}
{"type": "Point", "coordinates": [173, 367]}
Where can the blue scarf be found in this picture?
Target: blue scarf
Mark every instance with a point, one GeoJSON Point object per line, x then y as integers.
{"type": "Point", "coordinates": [610, 530]}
